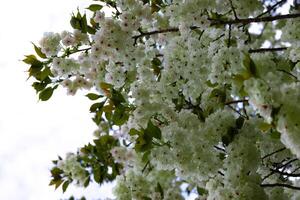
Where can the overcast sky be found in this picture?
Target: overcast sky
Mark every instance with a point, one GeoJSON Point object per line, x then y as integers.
{"type": "Point", "coordinates": [33, 133]}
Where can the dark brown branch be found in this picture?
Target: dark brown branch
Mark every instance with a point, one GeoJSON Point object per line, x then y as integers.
{"type": "Point", "coordinates": [254, 20]}
{"type": "Point", "coordinates": [169, 30]}
{"type": "Point", "coordinates": [233, 9]}
{"type": "Point", "coordinates": [237, 111]}
{"type": "Point", "coordinates": [271, 8]}
{"type": "Point", "coordinates": [261, 50]}
{"type": "Point", "coordinates": [229, 36]}
{"type": "Point", "coordinates": [280, 185]}
{"type": "Point", "coordinates": [223, 22]}
{"type": "Point", "coordinates": [236, 101]}
{"type": "Point", "coordinates": [295, 169]}
{"type": "Point", "coordinates": [268, 175]}
{"type": "Point", "coordinates": [285, 173]}
{"type": "Point", "coordinates": [220, 149]}
{"type": "Point", "coordinates": [289, 162]}
{"type": "Point", "coordinates": [288, 73]}
{"type": "Point", "coordinates": [270, 154]}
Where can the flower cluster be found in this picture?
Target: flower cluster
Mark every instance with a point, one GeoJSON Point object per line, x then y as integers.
{"type": "Point", "coordinates": [73, 168]}
{"type": "Point", "coordinates": [188, 93]}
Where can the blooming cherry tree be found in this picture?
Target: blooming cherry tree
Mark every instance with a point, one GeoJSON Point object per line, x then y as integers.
{"type": "Point", "coordinates": [186, 94]}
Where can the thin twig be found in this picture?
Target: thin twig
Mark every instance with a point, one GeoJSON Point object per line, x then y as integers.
{"type": "Point", "coordinates": [223, 22]}
{"type": "Point", "coordinates": [270, 154]}
{"type": "Point", "coordinates": [260, 50]}
{"type": "Point", "coordinates": [236, 101]}
{"type": "Point", "coordinates": [271, 8]}
{"type": "Point", "coordinates": [285, 173]}
{"type": "Point", "coordinates": [246, 21]}
{"type": "Point", "coordinates": [229, 36]}
{"type": "Point", "coordinates": [233, 9]}
{"type": "Point", "coordinates": [288, 73]}
{"type": "Point", "coordinates": [238, 112]}
{"type": "Point", "coordinates": [267, 176]}
{"type": "Point", "coordinates": [220, 149]}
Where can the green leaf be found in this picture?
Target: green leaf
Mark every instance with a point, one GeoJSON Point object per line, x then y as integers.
{"type": "Point", "coordinates": [275, 111]}
{"type": "Point", "coordinates": [87, 182]}
{"type": "Point", "coordinates": [117, 98]}
{"type": "Point", "coordinates": [222, 156]}
{"type": "Point", "coordinates": [96, 106]}
{"type": "Point", "coordinates": [239, 122]}
{"type": "Point", "coordinates": [219, 94]}
{"type": "Point", "coordinates": [94, 7]}
{"type": "Point", "coordinates": [231, 133]}
{"type": "Point", "coordinates": [79, 22]}
{"type": "Point", "coordinates": [55, 171]}
{"type": "Point", "coordinates": [201, 191]}
{"type": "Point", "coordinates": [38, 86]}
{"type": "Point", "coordinates": [134, 132]}
{"type": "Point", "coordinates": [39, 51]}
{"type": "Point", "coordinates": [152, 130]}
{"type": "Point", "coordinates": [160, 190]}
{"type": "Point", "coordinates": [143, 143]}
{"type": "Point", "coordinates": [31, 60]}
{"type": "Point", "coordinates": [275, 135]}
{"type": "Point", "coordinates": [83, 24]}
{"type": "Point", "coordinates": [97, 174]}
{"type": "Point", "coordinates": [120, 115]}
{"type": "Point", "coordinates": [250, 65]}
{"type": "Point", "coordinates": [93, 96]}
{"type": "Point", "coordinates": [45, 73]}
{"type": "Point", "coordinates": [46, 94]}
{"type": "Point", "coordinates": [91, 30]}
{"type": "Point", "coordinates": [65, 186]}
{"type": "Point", "coordinates": [58, 183]}
{"type": "Point", "coordinates": [145, 157]}
{"type": "Point", "coordinates": [75, 23]}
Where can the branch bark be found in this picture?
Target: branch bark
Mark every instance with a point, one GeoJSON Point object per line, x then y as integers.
{"type": "Point", "coordinates": [224, 22]}
{"type": "Point", "coordinates": [280, 185]}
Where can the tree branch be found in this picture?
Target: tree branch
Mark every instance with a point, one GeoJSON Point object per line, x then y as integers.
{"type": "Point", "coordinates": [236, 101]}
{"type": "Point", "coordinates": [285, 173]}
{"type": "Point", "coordinates": [270, 154]}
{"type": "Point", "coordinates": [223, 22]}
{"type": "Point", "coordinates": [261, 50]}
{"type": "Point", "coordinates": [233, 9]}
{"type": "Point", "coordinates": [280, 185]}
{"type": "Point", "coordinates": [271, 8]}
{"type": "Point", "coordinates": [254, 20]}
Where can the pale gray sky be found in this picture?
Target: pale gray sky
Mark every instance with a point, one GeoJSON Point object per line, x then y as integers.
{"type": "Point", "coordinates": [33, 133]}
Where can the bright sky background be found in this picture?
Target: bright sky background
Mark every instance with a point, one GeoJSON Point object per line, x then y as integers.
{"type": "Point", "coordinates": [33, 133]}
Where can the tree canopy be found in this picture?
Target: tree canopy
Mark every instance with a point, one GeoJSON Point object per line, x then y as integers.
{"type": "Point", "coordinates": [189, 96]}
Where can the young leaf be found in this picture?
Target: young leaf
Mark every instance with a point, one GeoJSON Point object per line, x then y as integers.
{"type": "Point", "coordinates": [29, 59]}
{"type": "Point", "coordinates": [96, 106]}
{"type": "Point", "coordinates": [152, 130]}
{"type": "Point", "coordinates": [134, 132]}
{"type": "Point", "coordinates": [65, 186]}
{"type": "Point", "coordinates": [46, 94]}
{"type": "Point", "coordinates": [93, 96]}
{"type": "Point", "coordinates": [120, 115]}
{"type": "Point", "coordinates": [160, 190]}
{"type": "Point", "coordinates": [117, 98]}
{"type": "Point", "coordinates": [39, 51]}
{"type": "Point", "coordinates": [250, 65]}
{"type": "Point", "coordinates": [94, 7]}
{"type": "Point", "coordinates": [201, 191]}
